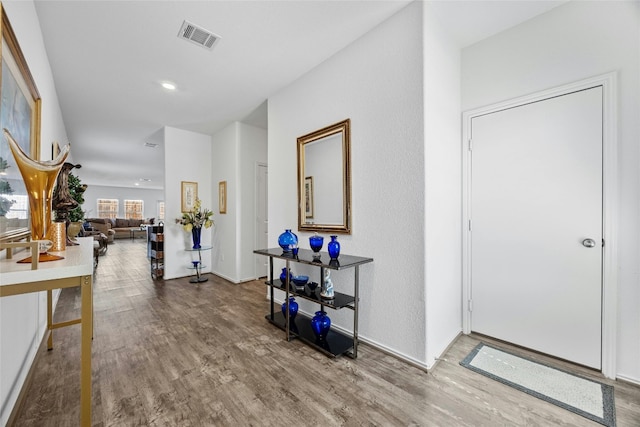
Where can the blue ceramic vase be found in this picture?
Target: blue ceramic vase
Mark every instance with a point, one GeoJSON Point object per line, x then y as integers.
{"type": "Point", "coordinates": [334, 247]}
{"type": "Point", "coordinates": [287, 240]}
{"type": "Point", "coordinates": [293, 309]}
{"type": "Point", "coordinates": [195, 234]}
{"type": "Point", "coordinates": [320, 323]}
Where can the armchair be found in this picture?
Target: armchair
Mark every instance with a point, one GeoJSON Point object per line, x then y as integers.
{"type": "Point", "coordinates": [103, 226]}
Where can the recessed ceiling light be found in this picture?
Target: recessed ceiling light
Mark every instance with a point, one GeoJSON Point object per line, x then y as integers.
{"type": "Point", "coordinates": [168, 86]}
{"type": "Point", "coordinates": [136, 183]}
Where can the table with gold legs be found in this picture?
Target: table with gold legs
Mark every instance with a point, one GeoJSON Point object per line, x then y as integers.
{"type": "Point", "coordinates": [75, 269]}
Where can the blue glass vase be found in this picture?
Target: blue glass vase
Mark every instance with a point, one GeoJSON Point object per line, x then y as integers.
{"type": "Point", "coordinates": [316, 242]}
{"type": "Point", "coordinates": [320, 323]}
{"type": "Point", "coordinates": [334, 247]}
{"type": "Point", "coordinates": [195, 234]}
{"type": "Point", "coordinates": [283, 276]}
{"type": "Point", "coordinates": [293, 309]}
{"type": "Point", "coordinates": [287, 240]}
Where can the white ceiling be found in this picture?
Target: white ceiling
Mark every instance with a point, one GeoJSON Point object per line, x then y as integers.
{"type": "Point", "coordinates": [109, 57]}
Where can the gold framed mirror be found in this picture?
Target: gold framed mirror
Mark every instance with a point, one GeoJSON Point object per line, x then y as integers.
{"type": "Point", "coordinates": [324, 179]}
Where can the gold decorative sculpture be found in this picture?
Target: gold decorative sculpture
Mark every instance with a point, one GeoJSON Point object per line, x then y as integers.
{"type": "Point", "coordinates": [58, 236]}
{"type": "Point", "coordinates": [39, 178]}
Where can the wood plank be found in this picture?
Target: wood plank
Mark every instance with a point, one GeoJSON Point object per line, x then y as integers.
{"type": "Point", "coordinates": [175, 353]}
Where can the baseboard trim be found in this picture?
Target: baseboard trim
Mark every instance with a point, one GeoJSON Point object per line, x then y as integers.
{"type": "Point", "coordinates": [446, 349]}
{"type": "Point", "coordinates": [372, 343]}
{"type": "Point", "coordinates": [398, 355]}
{"type": "Point", "coordinates": [222, 276]}
{"type": "Point", "coordinates": [629, 380]}
{"type": "Point", "coordinates": [228, 279]}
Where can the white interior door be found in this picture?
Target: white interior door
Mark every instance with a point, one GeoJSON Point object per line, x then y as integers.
{"type": "Point", "coordinates": [536, 199]}
{"type": "Point", "coordinates": [262, 220]}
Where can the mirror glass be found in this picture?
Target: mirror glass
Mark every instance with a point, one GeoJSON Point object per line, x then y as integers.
{"type": "Point", "coordinates": [324, 179]}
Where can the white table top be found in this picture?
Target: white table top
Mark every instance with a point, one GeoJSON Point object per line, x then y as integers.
{"type": "Point", "coordinates": [78, 261]}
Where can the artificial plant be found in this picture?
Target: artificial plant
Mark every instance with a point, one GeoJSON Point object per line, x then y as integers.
{"type": "Point", "coordinates": [5, 189]}
{"type": "Point", "coordinates": [76, 189]}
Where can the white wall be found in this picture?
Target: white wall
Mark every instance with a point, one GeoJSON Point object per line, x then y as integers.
{"type": "Point", "coordinates": [252, 150]}
{"type": "Point", "coordinates": [573, 42]}
{"type": "Point", "coordinates": [223, 167]}
{"type": "Point", "coordinates": [187, 158]}
{"type": "Point", "coordinates": [442, 194]}
{"type": "Point", "coordinates": [95, 192]}
{"type": "Point", "coordinates": [236, 149]}
{"type": "Point", "coordinates": [377, 82]}
{"type": "Point", "coordinates": [23, 317]}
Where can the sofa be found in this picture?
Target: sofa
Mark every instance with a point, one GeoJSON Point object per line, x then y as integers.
{"type": "Point", "coordinates": [123, 228]}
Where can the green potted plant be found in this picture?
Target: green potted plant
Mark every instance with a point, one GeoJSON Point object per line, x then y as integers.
{"type": "Point", "coordinates": [5, 202]}
{"type": "Point", "coordinates": [5, 190]}
{"type": "Point", "coordinates": [68, 200]}
{"type": "Point", "coordinates": [76, 189]}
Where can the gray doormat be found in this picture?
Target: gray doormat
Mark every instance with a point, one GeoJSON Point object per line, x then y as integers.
{"type": "Point", "coordinates": [591, 399]}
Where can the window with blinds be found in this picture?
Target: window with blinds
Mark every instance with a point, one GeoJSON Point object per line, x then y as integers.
{"type": "Point", "coordinates": [107, 208]}
{"type": "Point", "coordinates": [19, 206]}
{"type": "Point", "coordinates": [133, 209]}
{"type": "Point", "coordinates": [161, 210]}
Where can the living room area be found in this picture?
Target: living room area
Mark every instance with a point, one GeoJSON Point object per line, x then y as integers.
{"type": "Point", "coordinates": [115, 214]}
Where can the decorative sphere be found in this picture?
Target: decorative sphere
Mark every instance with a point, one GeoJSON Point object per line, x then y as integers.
{"type": "Point", "coordinates": [287, 240]}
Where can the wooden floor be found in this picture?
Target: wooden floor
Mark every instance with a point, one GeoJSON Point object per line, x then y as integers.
{"type": "Point", "coordinates": [177, 354]}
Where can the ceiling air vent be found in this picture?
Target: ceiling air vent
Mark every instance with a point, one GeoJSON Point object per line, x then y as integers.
{"type": "Point", "coordinates": [198, 35]}
{"type": "Point", "coordinates": [150, 144]}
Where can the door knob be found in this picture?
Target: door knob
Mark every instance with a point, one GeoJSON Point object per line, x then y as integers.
{"type": "Point", "coordinates": [588, 243]}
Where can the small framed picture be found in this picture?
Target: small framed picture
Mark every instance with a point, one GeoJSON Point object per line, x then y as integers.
{"type": "Point", "coordinates": [308, 197]}
{"type": "Point", "coordinates": [189, 195]}
{"type": "Point", "coordinates": [222, 196]}
{"type": "Point", "coordinates": [55, 150]}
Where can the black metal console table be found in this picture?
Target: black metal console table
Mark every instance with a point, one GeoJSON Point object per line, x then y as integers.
{"type": "Point", "coordinates": [336, 343]}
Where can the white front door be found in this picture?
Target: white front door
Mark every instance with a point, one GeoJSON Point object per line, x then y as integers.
{"type": "Point", "coordinates": [536, 225]}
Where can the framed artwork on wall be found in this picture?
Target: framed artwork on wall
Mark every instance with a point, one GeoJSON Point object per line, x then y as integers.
{"type": "Point", "coordinates": [55, 149]}
{"type": "Point", "coordinates": [222, 196]}
{"type": "Point", "coordinates": [189, 196]}
{"type": "Point", "coordinates": [20, 115]}
{"type": "Point", "coordinates": [308, 197]}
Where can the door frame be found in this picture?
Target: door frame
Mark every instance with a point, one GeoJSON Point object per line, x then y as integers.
{"type": "Point", "coordinates": [256, 199]}
{"type": "Point", "coordinates": [609, 203]}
